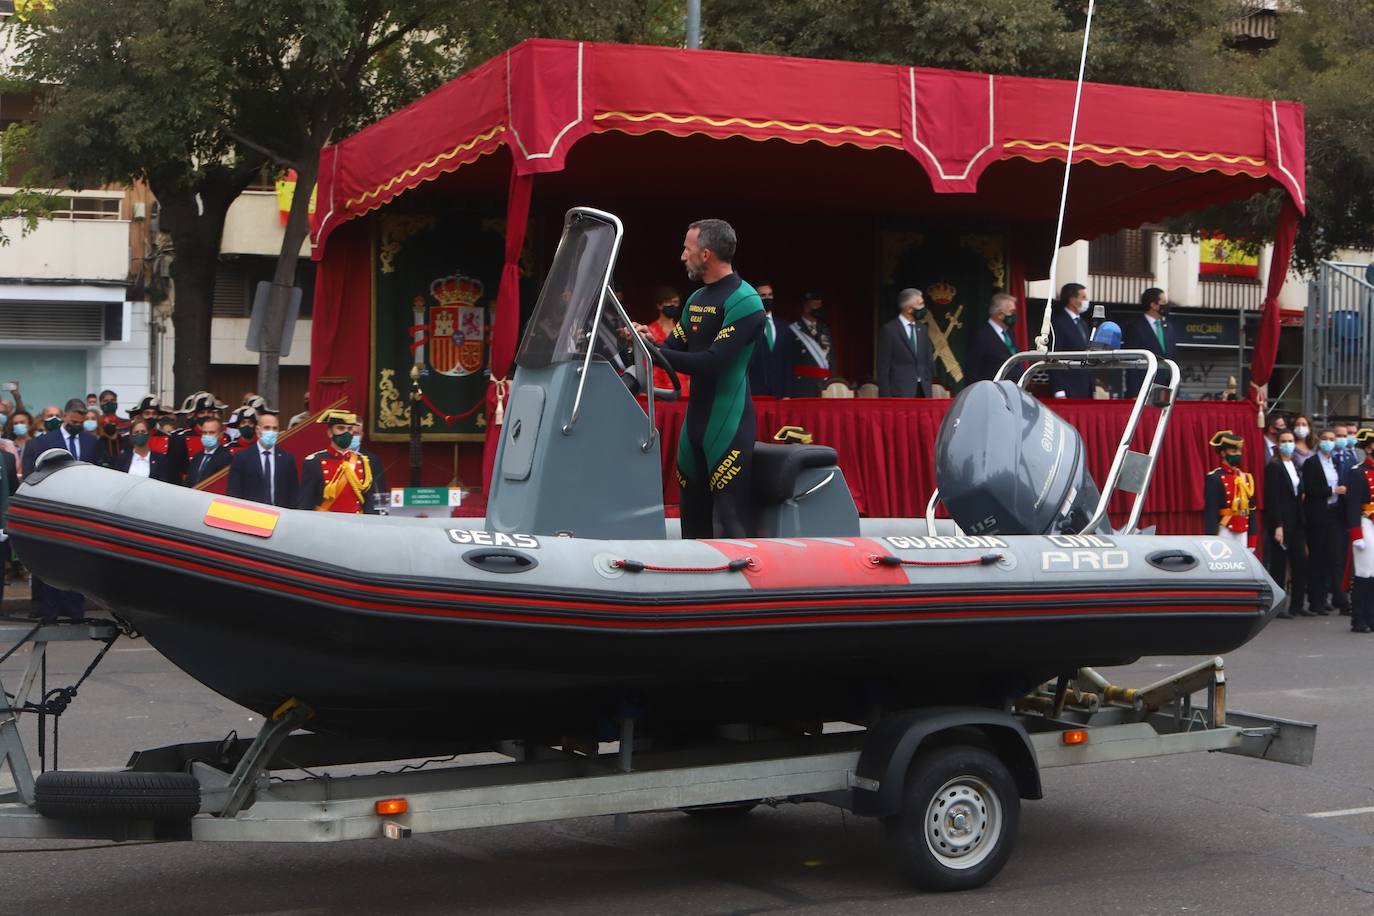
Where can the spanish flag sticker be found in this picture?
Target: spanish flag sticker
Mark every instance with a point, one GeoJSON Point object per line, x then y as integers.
{"type": "Point", "coordinates": [245, 519]}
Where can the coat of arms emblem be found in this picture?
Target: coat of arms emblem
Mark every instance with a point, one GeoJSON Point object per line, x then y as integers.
{"type": "Point", "coordinates": [453, 338]}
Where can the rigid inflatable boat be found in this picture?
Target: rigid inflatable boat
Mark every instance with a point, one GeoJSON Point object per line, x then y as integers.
{"type": "Point", "coordinates": [574, 604]}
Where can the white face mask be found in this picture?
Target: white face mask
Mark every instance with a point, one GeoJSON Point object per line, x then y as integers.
{"type": "Point", "coordinates": [1084, 306]}
{"type": "Point", "coordinates": [1301, 431]}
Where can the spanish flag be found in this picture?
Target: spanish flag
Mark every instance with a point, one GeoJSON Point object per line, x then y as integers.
{"type": "Point", "coordinates": [286, 189]}
{"type": "Point", "coordinates": [259, 521]}
{"type": "Point", "coordinates": [25, 8]}
{"type": "Point", "coordinates": [1222, 257]}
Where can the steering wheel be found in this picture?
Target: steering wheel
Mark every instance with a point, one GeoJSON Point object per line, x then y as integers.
{"type": "Point", "coordinates": [660, 361]}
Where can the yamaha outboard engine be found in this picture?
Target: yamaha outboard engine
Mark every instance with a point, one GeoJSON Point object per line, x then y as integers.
{"type": "Point", "coordinates": [1007, 464]}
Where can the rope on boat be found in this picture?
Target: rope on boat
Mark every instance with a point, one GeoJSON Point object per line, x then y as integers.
{"type": "Point", "coordinates": [635, 566]}
{"type": "Point", "coordinates": [987, 559]}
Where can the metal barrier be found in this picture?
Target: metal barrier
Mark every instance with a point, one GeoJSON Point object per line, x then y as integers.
{"type": "Point", "coordinates": [1337, 346]}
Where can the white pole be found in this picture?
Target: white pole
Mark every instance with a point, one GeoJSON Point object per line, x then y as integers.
{"type": "Point", "coordinates": [1042, 342]}
{"type": "Point", "coordinates": [694, 23]}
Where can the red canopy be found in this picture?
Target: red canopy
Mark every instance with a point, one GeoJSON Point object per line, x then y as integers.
{"type": "Point", "coordinates": [542, 98]}
{"type": "Point", "coordinates": [633, 123]}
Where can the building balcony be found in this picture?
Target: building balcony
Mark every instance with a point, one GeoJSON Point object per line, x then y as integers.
{"type": "Point", "coordinates": [253, 226]}
{"type": "Point", "coordinates": [66, 249]}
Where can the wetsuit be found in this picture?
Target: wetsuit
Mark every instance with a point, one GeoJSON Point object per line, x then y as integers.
{"type": "Point", "coordinates": [713, 344]}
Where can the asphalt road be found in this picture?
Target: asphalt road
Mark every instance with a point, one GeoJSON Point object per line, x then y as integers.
{"type": "Point", "coordinates": [1211, 834]}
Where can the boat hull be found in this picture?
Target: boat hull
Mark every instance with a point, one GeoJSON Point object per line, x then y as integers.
{"type": "Point", "coordinates": [382, 628]}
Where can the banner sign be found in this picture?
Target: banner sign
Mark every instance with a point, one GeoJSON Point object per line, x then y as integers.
{"type": "Point", "coordinates": [434, 286]}
{"type": "Point", "coordinates": [1206, 331]}
{"type": "Point", "coordinates": [416, 497]}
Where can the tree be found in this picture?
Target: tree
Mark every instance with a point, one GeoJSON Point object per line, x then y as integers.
{"type": "Point", "coordinates": [130, 90]}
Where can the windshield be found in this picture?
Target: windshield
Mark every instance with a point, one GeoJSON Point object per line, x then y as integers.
{"type": "Point", "coordinates": [561, 327]}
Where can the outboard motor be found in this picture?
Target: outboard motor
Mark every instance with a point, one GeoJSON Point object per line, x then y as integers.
{"type": "Point", "coordinates": [1007, 464]}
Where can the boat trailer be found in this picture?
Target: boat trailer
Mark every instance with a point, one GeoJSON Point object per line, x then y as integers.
{"type": "Point", "coordinates": [959, 771]}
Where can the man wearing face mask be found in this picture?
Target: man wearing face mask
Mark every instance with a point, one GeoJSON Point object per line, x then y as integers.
{"type": "Point", "coordinates": [770, 366]}
{"type": "Point", "coordinates": [669, 305]}
{"type": "Point", "coordinates": [1071, 333]}
{"type": "Point", "coordinates": [813, 358]}
{"type": "Point", "coordinates": [68, 434]}
{"type": "Point", "coordinates": [379, 472]}
{"type": "Point", "coordinates": [1151, 331]}
{"type": "Point", "coordinates": [1327, 544]}
{"type": "Point", "coordinates": [338, 479]}
{"type": "Point", "coordinates": [992, 341]}
{"type": "Point", "coordinates": [214, 455]}
{"type": "Point", "coordinates": [1359, 514]}
{"type": "Point", "coordinates": [1228, 495]}
{"type": "Point", "coordinates": [263, 472]}
{"type": "Point", "coordinates": [906, 357]}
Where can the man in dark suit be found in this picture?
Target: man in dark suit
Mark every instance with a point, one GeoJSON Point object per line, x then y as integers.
{"type": "Point", "coordinates": [770, 368]}
{"type": "Point", "coordinates": [69, 436]}
{"type": "Point", "coordinates": [263, 472]}
{"type": "Point", "coordinates": [905, 354]}
{"type": "Point", "coordinates": [1071, 333]}
{"type": "Point", "coordinates": [992, 341]}
{"type": "Point", "coordinates": [1324, 511]}
{"type": "Point", "coordinates": [214, 454]}
{"type": "Point", "coordinates": [1151, 331]}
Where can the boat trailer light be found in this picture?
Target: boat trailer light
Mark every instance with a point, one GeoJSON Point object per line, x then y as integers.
{"type": "Point", "coordinates": [391, 806]}
{"type": "Point", "coordinates": [1071, 737]}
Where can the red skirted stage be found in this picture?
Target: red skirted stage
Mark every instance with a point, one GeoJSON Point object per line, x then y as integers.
{"type": "Point", "coordinates": [886, 448]}
{"type": "Point", "coordinates": [854, 178]}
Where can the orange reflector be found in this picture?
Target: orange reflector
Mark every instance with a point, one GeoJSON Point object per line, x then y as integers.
{"type": "Point", "coordinates": [1075, 736]}
{"type": "Point", "coordinates": [391, 806]}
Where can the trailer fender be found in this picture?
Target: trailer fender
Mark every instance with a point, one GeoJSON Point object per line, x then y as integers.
{"type": "Point", "coordinates": [890, 746]}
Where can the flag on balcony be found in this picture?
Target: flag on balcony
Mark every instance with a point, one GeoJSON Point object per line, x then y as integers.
{"type": "Point", "coordinates": [24, 8]}
{"type": "Point", "coordinates": [286, 189]}
{"type": "Point", "coordinates": [1222, 257]}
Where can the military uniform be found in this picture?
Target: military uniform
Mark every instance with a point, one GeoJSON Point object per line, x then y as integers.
{"type": "Point", "coordinates": [1359, 514]}
{"type": "Point", "coordinates": [814, 358]}
{"type": "Point", "coordinates": [338, 480]}
{"type": "Point", "coordinates": [1229, 499]}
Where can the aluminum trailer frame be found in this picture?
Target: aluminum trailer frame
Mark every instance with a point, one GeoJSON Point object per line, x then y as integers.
{"type": "Point", "coordinates": [1081, 719]}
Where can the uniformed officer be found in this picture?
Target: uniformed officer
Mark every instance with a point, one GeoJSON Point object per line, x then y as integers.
{"type": "Point", "coordinates": [713, 343]}
{"type": "Point", "coordinates": [1359, 514]}
{"type": "Point", "coordinates": [1229, 494]}
{"type": "Point", "coordinates": [337, 478]}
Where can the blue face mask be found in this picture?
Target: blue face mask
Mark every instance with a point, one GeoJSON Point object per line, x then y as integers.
{"type": "Point", "coordinates": [1287, 448]}
{"type": "Point", "coordinates": [21, 429]}
{"type": "Point", "coordinates": [1327, 446]}
{"type": "Point", "coordinates": [356, 444]}
{"type": "Point", "coordinates": [4, 418]}
{"type": "Point", "coordinates": [89, 425]}
{"type": "Point", "coordinates": [268, 437]}
{"type": "Point", "coordinates": [1342, 442]}
{"type": "Point", "coordinates": [209, 440]}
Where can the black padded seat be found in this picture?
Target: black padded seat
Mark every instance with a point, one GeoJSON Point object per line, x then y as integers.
{"type": "Point", "coordinates": [776, 468]}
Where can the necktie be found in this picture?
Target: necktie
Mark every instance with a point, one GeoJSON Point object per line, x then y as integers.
{"type": "Point", "coordinates": [911, 334]}
{"type": "Point", "coordinates": [71, 446]}
{"type": "Point", "coordinates": [267, 476]}
{"type": "Point", "coordinates": [768, 333]}
{"type": "Point", "coordinates": [1159, 333]}
{"type": "Point", "coordinates": [1006, 339]}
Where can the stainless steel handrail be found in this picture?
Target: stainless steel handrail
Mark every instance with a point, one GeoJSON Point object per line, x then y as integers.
{"type": "Point", "coordinates": [648, 368]}
{"type": "Point", "coordinates": [614, 222]}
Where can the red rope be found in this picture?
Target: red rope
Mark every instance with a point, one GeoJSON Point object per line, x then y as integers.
{"type": "Point", "coordinates": [451, 418]}
{"type": "Point", "coordinates": [986, 559]}
{"type": "Point", "coordinates": [733, 566]}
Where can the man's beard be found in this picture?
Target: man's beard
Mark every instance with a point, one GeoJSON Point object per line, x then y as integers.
{"type": "Point", "coordinates": [695, 273]}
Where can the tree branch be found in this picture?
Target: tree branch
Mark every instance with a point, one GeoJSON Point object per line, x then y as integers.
{"type": "Point", "coordinates": [269, 154]}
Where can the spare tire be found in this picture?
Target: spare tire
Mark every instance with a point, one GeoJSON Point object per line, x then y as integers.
{"type": "Point", "coordinates": [124, 795]}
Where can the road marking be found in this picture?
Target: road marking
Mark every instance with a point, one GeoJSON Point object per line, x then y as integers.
{"type": "Point", "coordinates": [1344, 812]}
{"type": "Point", "coordinates": [136, 649]}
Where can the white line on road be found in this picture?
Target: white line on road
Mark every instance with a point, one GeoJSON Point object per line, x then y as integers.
{"type": "Point", "coordinates": [1344, 812]}
{"type": "Point", "coordinates": [136, 649]}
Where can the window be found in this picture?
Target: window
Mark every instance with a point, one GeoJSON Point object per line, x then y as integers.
{"type": "Point", "coordinates": [89, 208]}
{"type": "Point", "coordinates": [1129, 253]}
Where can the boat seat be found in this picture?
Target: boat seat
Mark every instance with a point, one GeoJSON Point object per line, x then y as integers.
{"type": "Point", "coordinates": [777, 467]}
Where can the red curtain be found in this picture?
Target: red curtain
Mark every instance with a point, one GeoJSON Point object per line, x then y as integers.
{"type": "Point", "coordinates": [1267, 341]}
{"type": "Point", "coordinates": [340, 334]}
{"type": "Point", "coordinates": [506, 326]}
{"type": "Point", "coordinates": [886, 448]}
{"type": "Point", "coordinates": [1016, 285]}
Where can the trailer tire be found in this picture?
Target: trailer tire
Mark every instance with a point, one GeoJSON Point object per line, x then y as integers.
{"type": "Point", "coordinates": [125, 795]}
{"type": "Point", "coordinates": [726, 811]}
{"type": "Point", "coordinates": [960, 813]}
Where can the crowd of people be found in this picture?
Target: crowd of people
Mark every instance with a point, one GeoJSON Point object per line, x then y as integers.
{"type": "Point", "coordinates": [1318, 539]}
{"type": "Point", "coordinates": [185, 447]}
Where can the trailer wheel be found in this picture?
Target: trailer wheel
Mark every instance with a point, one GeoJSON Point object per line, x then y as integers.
{"type": "Point", "coordinates": [726, 811]}
{"type": "Point", "coordinates": [138, 796]}
{"type": "Point", "coordinates": [960, 812]}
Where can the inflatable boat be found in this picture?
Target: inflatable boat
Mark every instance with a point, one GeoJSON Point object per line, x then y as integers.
{"type": "Point", "coordinates": [575, 604]}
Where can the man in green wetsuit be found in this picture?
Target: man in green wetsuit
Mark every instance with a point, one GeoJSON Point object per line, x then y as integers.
{"type": "Point", "coordinates": [712, 343]}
